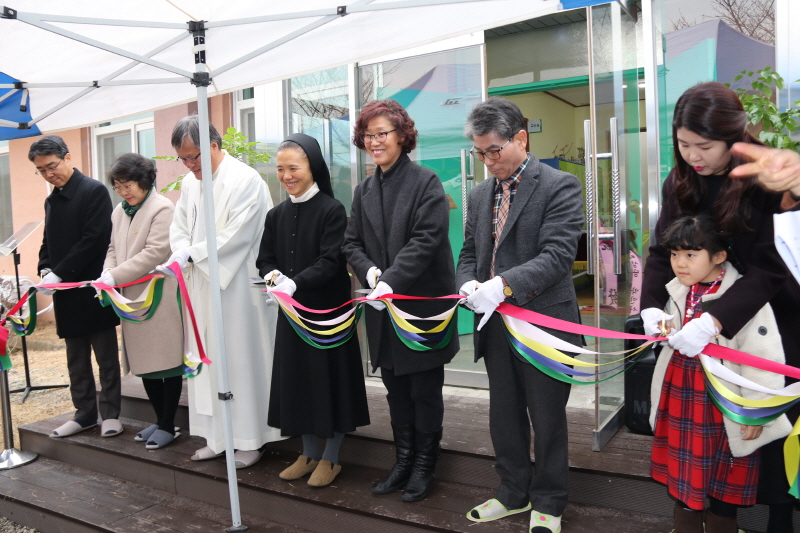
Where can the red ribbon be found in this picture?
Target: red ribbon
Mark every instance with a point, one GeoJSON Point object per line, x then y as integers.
{"type": "Point", "coordinates": [176, 269]}
{"type": "Point", "coordinates": [3, 340]}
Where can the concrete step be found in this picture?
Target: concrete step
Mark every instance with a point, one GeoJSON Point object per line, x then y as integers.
{"type": "Point", "coordinates": [348, 505]}
{"type": "Point", "coordinates": [52, 496]}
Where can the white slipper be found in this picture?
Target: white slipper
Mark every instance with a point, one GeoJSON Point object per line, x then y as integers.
{"type": "Point", "coordinates": [111, 428]}
{"type": "Point", "coordinates": [144, 434]}
{"type": "Point", "coordinates": [544, 523]}
{"type": "Point", "coordinates": [69, 428]}
{"type": "Point", "coordinates": [493, 510]}
{"type": "Point", "coordinates": [204, 454]}
{"type": "Point", "coordinates": [245, 459]}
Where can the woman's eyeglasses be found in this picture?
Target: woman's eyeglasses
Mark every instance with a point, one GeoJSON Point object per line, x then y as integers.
{"type": "Point", "coordinates": [122, 188]}
{"type": "Point", "coordinates": [380, 137]}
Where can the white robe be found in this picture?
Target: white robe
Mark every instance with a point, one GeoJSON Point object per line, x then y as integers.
{"type": "Point", "coordinates": [241, 202]}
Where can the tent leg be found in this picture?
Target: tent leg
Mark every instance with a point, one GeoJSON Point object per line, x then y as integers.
{"type": "Point", "coordinates": [216, 304]}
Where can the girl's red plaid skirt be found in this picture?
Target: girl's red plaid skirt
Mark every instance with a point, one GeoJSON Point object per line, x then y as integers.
{"type": "Point", "coordinates": [691, 454]}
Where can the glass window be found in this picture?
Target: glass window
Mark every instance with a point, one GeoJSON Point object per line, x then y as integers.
{"type": "Point", "coordinates": [146, 142]}
{"type": "Point", "coordinates": [115, 138]}
{"type": "Point", "coordinates": [320, 108]}
{"type": "Point", "coordinates": [111, 147]}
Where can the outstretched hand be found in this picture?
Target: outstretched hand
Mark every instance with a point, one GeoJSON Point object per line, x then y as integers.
{"type": "Point", "coordinates": [777, 170]}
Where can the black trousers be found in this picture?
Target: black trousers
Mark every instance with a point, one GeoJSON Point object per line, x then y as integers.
{"type": "Point", "coordinates": [81, 379]}
{"type": "Point", "coordinates": [521, 395]}
{"type": "Point", "coordinates": [416, 399]}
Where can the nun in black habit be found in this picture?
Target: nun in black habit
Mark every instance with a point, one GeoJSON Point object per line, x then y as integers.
{"type": "Point", "coordinates": [316, 393]}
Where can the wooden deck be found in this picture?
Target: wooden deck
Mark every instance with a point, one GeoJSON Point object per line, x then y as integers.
{"type": "Point", "coordinates": [86, 483]}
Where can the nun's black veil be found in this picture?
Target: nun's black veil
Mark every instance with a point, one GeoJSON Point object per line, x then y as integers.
{"type": "Point", "coordinates": [322, 176]}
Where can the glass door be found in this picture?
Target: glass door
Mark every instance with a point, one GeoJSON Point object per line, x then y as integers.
{"type": "Point", "coordinates": [438, 90]}
{"type": "Point", "coordinates": [614, 136]}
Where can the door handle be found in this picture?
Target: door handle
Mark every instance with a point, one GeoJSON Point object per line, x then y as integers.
{"type": "Point", "coordinates": [589, 178]}
{"type": "Point", "coordinates": [615, 197]}
{"type": "Point", "coordinates": [616, 233]}
{"type": "Point", "coordinates": [464, 191]}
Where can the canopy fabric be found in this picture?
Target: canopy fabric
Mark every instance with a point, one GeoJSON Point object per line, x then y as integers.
{"type": "Point", "coordinates": [14, 108]}
{"type": "Point", "coordinates": [291, 38]}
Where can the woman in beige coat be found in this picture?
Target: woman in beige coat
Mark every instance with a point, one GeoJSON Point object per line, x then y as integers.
{"type": "Point", "coordinates": [153, 350]}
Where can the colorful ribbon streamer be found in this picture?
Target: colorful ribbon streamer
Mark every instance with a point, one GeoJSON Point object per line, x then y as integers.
{"type": "Point", "coordinates": [24, 323]}
{"type": "Point", "coordinates": [547, 353]}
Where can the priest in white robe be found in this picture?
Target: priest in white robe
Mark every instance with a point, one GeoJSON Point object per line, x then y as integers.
{"type": "Point", "coordinates": [241, 202]}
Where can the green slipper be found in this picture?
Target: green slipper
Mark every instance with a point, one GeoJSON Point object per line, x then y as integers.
{"type": "Point", "coordinates": [493, 510]}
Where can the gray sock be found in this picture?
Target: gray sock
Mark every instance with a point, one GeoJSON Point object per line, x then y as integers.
{"type": "Point", "coordinates": [332, 446]}
{"type": "Point", "coordinates": [311, 446]}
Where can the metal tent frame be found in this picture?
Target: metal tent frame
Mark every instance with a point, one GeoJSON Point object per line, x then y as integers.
{"type": "Point", "coordinates": [202, 77]}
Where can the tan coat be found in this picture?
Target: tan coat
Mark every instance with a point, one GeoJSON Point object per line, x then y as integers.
{"type": "Point", "coordinates": [138, 245]}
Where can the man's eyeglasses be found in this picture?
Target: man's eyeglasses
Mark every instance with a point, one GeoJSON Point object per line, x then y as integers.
{"type": "Point", "coordinates": [188, 160]}
{"type": "Point", "coordinates": [49, 169]}
{"type": "Point", "coordinates": [122, 188]}
{"type": "Point", "coordinates": [489, 154]}
{"type": "Point", "coordinates": [380, 137]}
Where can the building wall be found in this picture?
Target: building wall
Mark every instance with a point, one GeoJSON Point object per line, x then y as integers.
{"type": "Point", "coordinates": [558, 123]}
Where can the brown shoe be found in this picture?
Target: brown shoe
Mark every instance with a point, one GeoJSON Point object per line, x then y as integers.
{"type": "Point", "coordinates": [720, 524]}
{"type": "Point", "coordinates": [300, 468]}
{"type": "Point", "coordinates": [687, 520]}
{"type": "Point", "coordinates": [324, 474]}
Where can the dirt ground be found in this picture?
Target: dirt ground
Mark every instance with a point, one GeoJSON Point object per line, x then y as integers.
{"type": "Point", "coordinates": [47, 367]}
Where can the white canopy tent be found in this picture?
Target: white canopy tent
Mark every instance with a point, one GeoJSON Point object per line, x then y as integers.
{"type": "Point", "coordinates": [89, 61]}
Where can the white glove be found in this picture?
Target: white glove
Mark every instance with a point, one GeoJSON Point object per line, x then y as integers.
{"type": "Point", "coordinates": [181, 257]}
{"type": "Point", "coordinates": [45, 271]}
{"type": "Point", "coordinates": [486, 299]}
{"type": "Point", "coordinates": [468, 288]}
{"type": "Point", "coordinates": [48, 278]}
{"type": "Point", "coordinates": [380, 289]}
{"type": "Point", "coordinates": [106, 278]}
{"type": "Point", "coordinates": [287, 286]}
{"type": "Point", "coordinates": [372, 276]}
{"type": "Point", "coordinates": [274, 278]}
{"type": "Point", "coordinates": [695, 336]}
{"type": "Point", "coordinates": [652, 318]}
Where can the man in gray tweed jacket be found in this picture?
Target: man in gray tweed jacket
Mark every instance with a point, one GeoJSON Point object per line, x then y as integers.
{"type": "Point", "coordinates": [522, 233]}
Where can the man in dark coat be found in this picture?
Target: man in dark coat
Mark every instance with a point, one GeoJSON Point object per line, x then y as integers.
{"type": "Point", "coordinates": [76, 237]}
{"type": "Point", "coordinates": [520, 241]}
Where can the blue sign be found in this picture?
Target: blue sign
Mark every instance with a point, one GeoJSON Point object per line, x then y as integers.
{"type": "Point", "coordinates": [572, 4]}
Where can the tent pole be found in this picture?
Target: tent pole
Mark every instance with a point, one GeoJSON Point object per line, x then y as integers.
{"type": "Point", "coordinates": [220, 359]}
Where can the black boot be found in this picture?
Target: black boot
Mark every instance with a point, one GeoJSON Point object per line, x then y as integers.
{"type": "Point", "coordinates": [426, 453]}
{"type": "Point", "coordinates": [401, 471]}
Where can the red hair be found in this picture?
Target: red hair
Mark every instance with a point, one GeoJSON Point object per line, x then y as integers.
{"type": "Point", "coordinates": [395, 114]}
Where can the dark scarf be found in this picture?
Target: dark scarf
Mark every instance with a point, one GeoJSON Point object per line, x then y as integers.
{"type": "Point", "coordinates": [131, 210]}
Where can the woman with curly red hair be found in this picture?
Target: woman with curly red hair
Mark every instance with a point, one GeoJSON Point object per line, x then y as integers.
{"type": "Point", "coordinates": [397, 242]}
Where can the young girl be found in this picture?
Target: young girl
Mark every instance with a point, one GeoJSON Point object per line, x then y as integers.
{"type": "Point", "coordinates": [697, 452]}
